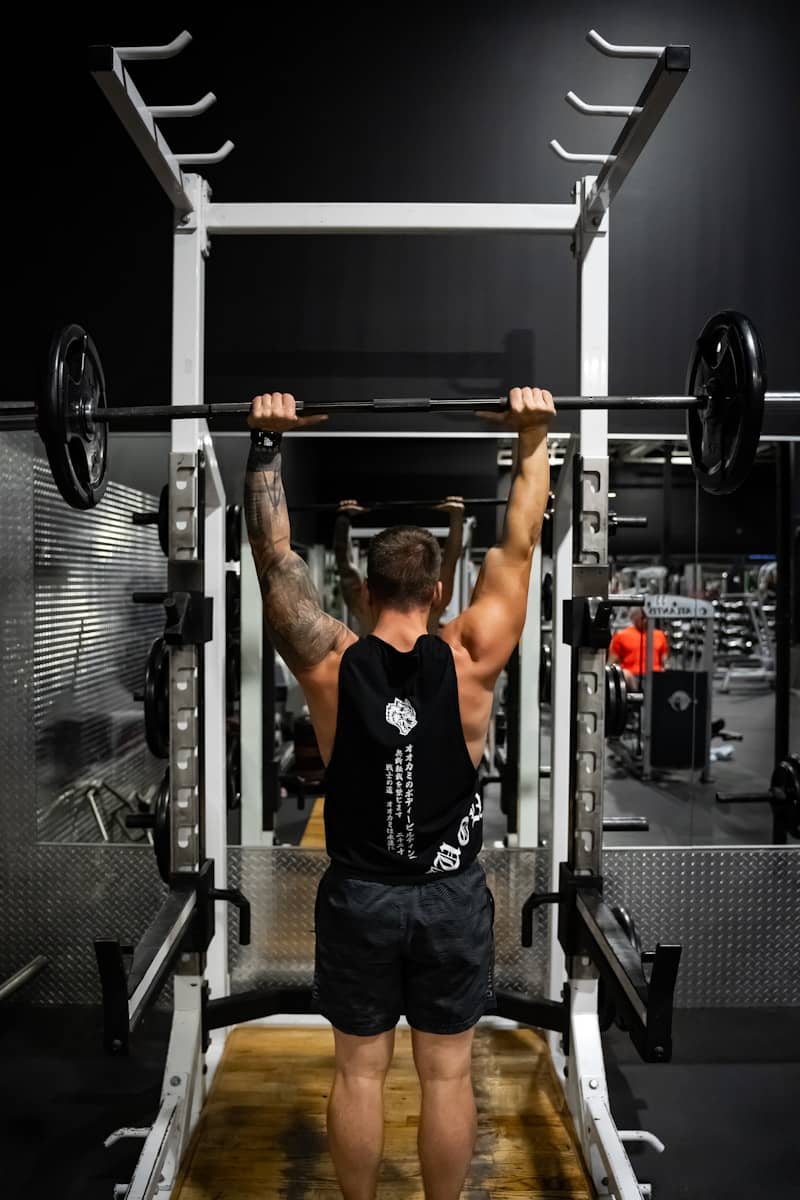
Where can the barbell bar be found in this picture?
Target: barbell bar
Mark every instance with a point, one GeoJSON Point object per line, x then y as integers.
{"type": "Point", "coordinates": [725, 385]}
{"type": "Point", "coordinates": [184, 412]}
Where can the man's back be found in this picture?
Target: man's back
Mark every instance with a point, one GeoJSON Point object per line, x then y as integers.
{"type": "Point", "coordinates": [475, 688]}
{"type": "Point", "coordinates": [400, 800]}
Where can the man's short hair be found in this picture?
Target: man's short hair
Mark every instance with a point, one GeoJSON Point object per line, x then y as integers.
{"type": "Point", "coordinates": [403, 566]}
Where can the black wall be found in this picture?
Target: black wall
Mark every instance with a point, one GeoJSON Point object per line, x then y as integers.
{"type": "Point", "coordinates": [718, 528]}
{"type": "Point", "coordinates": [446, 102]}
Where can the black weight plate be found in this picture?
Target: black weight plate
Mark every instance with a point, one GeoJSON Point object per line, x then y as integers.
{"type": "Point", "coordinates": [622, 699]}
{"type": "Point", "coordinates": [729, 365]}
{"type": "Point", "coordinates": [546, 675]}
{"type": "Point", "coordinates": [156, 699]}
{"type": "Point", "coordinates": [233, 533]}
{"type": "Point", "coordinates": [233, 679]}
{"type": "Point", "coordinates": [233, 772]}
{"type": "Point", "coordinates": [163, 520]}
{"type": "Point", "coordinates": [614, 721]}
{"type": "Point", "coordinates": [162, 834]}
{"type": "Point", "coordinates": [629, 925]}
{"type": "Point", "coordinates": [786, 777]}
{"type": "Point", "coordinates": [77, 449]}
{"type": "Point", "coordinates": [233, 591]}
{"type": "Point", "coordinates": [611, 702]}
{"type": "Point", "coordinates": [547, 597]}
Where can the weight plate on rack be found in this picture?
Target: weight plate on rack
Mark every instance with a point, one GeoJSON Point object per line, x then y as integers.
{"type": "Point", "coordinates": [163, 520]}
{"type": "Point", "coordinates": [233, 772]}
{"type": "Point", "coordinates": [786, 777]}
{"type": "Point", "coordinates": [162, 834]}
{"type": "Point", "coordinates": [616, 715]}
{"type": "Point", "coordinates": [547, 597]}
{"type": "Point", "coordinates": [77, 448]}
{"type": "Point", "coordinates": [728, 366]}
{"type": "Point", "coordinates": [546, 675]}
{"type": "Point", "coordinates": [233, 533]}
{"type": "Point", "coordinates": [156, 699]}
{"type": "Point", "coordinates": [606, 1009]}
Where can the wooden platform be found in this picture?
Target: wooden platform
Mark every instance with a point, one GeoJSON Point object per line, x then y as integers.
{"type": "Point", "coordinates": [314, 834]}
{"type": "Point", "coordinates": [262, 1132]}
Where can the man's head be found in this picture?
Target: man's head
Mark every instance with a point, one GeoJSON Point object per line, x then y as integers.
{"type": "Point", "coordinates": [638, 618]}
{"type": "Point", "coordinates": [403, 566]}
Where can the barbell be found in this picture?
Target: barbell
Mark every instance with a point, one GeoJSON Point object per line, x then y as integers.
{"type": "Point", "coordinates": [725, 385]}
{"type": "Point", "coordinates": [783, 796]}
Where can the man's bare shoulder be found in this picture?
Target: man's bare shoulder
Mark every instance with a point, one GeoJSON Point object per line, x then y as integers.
{"type": "Point", "coordinates": [463, 660]}
{"type": "Point", "coordinates": [328, 668]}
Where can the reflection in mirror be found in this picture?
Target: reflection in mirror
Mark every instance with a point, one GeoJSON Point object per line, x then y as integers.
{"type": "Point", "coordinates": [700, 685]}
{"type": "Point", "coordinates": [340, 494]}
{"type": "Point", "coordinates": [94, 771]}
{"type": "Point", "coordinates": [706, 670]}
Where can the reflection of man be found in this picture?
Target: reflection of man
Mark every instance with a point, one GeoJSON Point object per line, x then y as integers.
{"type": "Point", "coordinates": [629, 646]}
{"type": "Point", "coordinates": [354, 588]}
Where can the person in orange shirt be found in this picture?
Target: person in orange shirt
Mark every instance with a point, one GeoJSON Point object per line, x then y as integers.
{"type": "Point", "coordinates": [628, 648]}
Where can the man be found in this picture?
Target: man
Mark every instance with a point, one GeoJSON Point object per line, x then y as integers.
{"type": "Point", "coordinates": [629, 648]}
{"type": "Point", "coordinates": [354, 588]}
{"type": "Point", "coordinates": [403, 915]}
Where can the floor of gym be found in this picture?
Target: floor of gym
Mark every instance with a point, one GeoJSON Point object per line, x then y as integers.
{"type": "Point", "coordinates": [723, 1107]}
{"type": "Point", "coordinates": [681, 810]}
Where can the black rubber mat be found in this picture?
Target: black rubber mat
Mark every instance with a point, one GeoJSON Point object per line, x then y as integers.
{"type": "Point", "coordinates": [61, 1096]}
{"type": "Point", "coordinates": [724, 1106]}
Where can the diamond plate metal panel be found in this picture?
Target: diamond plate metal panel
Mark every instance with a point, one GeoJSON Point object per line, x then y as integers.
{"type": "Point", "coordinates": [54, 899]}
{"type": "Point", "coordinates": [733, 910]}
{"type": "Point", "coordinates": [281, 885]}
{"type": "Point", "coordinates": [512, 875]}
{"type": "Point", "coordinates": [17, 810]}
{"type": "Point", "coordinates": [60, 899]}
{"type": "Point", "coordinates": [90, 646]}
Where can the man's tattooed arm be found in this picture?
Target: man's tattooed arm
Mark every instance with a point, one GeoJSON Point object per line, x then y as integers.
{"type": "Point", "coordinates": [302, 633]}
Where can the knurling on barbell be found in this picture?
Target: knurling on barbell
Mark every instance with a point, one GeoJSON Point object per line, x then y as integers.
{"type": "Point", "coordinates": [726, 383]}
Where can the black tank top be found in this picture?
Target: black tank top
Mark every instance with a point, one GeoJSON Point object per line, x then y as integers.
{"type": "Point", "coordinates": [400, 799]}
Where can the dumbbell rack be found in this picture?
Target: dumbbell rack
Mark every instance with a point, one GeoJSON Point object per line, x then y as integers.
{"type": "Point", "coordinates": [745, 642]}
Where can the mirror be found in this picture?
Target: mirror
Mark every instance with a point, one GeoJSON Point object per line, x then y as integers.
{"type": "Point", "coordinates": [716, 665]}
{"type": "Point", "coordinates": [716, 687]}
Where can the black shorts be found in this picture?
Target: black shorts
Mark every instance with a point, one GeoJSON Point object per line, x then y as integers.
{"type": "Point", "coordinates": [423, 950]}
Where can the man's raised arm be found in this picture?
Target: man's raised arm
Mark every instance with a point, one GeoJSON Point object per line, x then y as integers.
{"type": "Point", "coordinates": [451, 553]}
{"type": "Point", "coordinates": [354, 590]}
{"type": "Point", "coordinates": [302, 633]}
{"type": "Point", "coordinates": [492, 624]}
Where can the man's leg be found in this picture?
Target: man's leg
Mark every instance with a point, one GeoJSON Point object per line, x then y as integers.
{"type": "Point", "coordinates": [355, 1111]}
{"type": "Point", "coordinates": [448, 1122]}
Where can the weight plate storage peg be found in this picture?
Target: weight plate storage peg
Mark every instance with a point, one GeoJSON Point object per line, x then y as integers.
{"type": "Point", "coordinates": [159, 518]}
